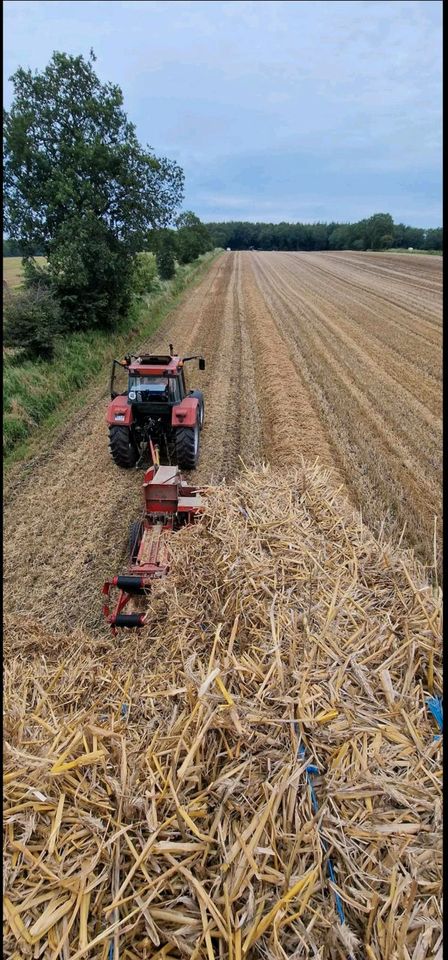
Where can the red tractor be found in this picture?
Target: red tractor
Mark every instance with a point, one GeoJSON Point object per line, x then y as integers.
{"type": "Point", "coordinates": [155, 410]}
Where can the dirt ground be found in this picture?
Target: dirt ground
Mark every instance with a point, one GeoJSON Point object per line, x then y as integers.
{"type": "Point", "coordinates": [328, 355]}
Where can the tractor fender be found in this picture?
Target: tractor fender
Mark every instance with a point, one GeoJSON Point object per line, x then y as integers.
{"type": "Point", "coordinates": [119, 412]}
{"type": "Point", "coordinates": [185, 413]}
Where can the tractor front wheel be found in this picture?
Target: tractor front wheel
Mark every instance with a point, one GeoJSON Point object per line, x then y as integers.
{"type": "Point", "coordinates": [122, 447]}
{"type": "Point", "coordinates": [187, 447]}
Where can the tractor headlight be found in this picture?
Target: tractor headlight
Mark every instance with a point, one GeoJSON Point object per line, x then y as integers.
{"type": "Point", "coordinates": [132, 395]}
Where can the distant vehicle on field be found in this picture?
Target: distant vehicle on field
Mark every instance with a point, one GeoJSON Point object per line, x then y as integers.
{"type": "Point", "coordinates": [228, 249]}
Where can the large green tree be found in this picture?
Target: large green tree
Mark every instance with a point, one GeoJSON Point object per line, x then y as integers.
{"type": "Point", "coordinates": [434, 239]}
{"type": "Point", "coordinates": [193, 238]}
{"type": "Point", "coordinates": [78, 183]}
{"type": "Point", "coordinates": [380, 230]}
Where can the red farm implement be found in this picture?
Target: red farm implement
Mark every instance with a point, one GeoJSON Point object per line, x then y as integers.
{"type": "Point", "coordinates": [169, 504]}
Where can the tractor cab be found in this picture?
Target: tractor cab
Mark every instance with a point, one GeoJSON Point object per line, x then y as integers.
{"type": "Point", "coordinates": [150, 376]}
{"type": "Point", "coordinates": [144, 389]}
{"type": "Point", "coordinates": [150, 401]}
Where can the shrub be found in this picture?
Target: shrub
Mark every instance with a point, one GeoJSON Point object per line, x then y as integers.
{"type": "Point", "coordinates": [165, 263]}
{"type": "Point", "coordinates": [145, 274]}
{"type": "Point", "coordinates": [32, 321]}
{"type": "Point", "coordinates": [91, 274]}
{"type": "Point", "coordinates": [434, 239]}
{"type": "Point", "coordinates": [192, 238]}
{"type": "Point", "coordinates": [35, 276]}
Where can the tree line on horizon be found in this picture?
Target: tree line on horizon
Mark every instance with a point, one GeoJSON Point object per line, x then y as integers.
{"type": "Point", "coordinates": [378, 232]}
{"type": "Point", "coordinates": [191, 237]}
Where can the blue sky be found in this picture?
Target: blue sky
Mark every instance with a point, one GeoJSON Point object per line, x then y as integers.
{"type": "Point", "coordinates": [308, 110]}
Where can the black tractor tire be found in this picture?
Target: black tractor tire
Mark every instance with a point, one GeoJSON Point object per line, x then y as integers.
{"type": "Point", "coordinates": [134, 539]}
{"type": "Point", "coordinates": [122, 447]}
{"type": "Point", "coordinates": [200, 396]}
{"type": "Point", "coordinates": [187, 447]}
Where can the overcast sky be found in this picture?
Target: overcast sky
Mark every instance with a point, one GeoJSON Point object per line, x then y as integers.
{"type": "Point", "coordinates": [308, 110]}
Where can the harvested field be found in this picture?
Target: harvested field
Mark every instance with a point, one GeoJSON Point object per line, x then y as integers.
{"type": "Point", "coordinates": [13, 270]}
{"type": "Point", "coordinates": [365, 334]}
{"type": "Point", "coordinates": [335, 356]}
{"type": "Point", "coordinates": [259, 763]}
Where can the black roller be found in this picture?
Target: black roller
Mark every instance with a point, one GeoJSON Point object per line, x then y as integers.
{"type": "Point", "coordinates": [129, 620]}
{"type": "Point", "coordinates": [130, 584]}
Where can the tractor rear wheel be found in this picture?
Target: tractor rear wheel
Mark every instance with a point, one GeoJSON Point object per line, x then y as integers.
{"type": "Point", "coordinates": [122, 447]}
{"type": "Point", "coordinates": [187, 447]}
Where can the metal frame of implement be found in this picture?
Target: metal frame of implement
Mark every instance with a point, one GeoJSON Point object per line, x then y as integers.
{"type": "Point", "coordinates": [170, 503]}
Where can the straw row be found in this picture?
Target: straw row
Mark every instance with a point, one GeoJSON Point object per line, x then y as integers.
{"type": "Point", "coordinates": [253, 775]}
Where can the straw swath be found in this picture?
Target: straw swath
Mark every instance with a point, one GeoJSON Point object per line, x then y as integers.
{"type": "Point", "coordinates": [257, 774]}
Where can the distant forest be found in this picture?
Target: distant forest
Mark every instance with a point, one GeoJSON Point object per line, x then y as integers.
{"type": "Point", "coordinates": [13, 248]}
{"type": "Point", "coordinates": [378, 232]}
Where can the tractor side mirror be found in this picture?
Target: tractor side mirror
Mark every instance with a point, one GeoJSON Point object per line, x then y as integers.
{"type": "Point", "coordinates": [201, 363]}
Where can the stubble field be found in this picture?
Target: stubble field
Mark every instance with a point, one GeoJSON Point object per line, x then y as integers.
{"type": "Point", "coordinates": [256, 772]}
{"type": "Point", "coordinates": [13, 270]}
{"type": "Point", "coordinates": [321, 355]}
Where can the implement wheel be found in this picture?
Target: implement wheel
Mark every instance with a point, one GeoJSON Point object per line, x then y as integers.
{"type": "Point", "coordinates": [135, 536]}
{"type": "Point", "coordinates": [122, 447]}
{"type": "Point", "coordinates": [187, 447]}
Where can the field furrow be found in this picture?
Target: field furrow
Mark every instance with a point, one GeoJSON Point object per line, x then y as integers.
{"type": "Point", "coordinates": [389, 449]}
{"type": "Point", "coordinates": [290, 425]}
{"type": "Point", "coordinates": [399, 407]}
{"type": "Point", "coordinates": [373, 313]}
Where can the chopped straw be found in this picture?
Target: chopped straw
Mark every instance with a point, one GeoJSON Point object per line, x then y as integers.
{"type": "Point", "coordinates": [254, 775]}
